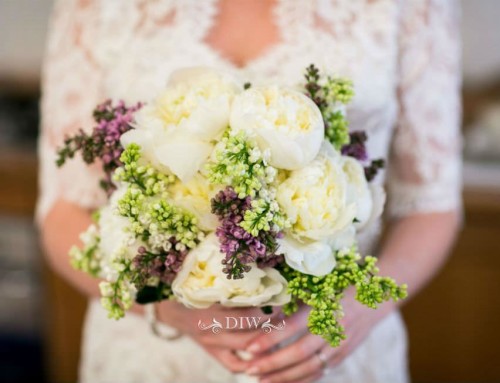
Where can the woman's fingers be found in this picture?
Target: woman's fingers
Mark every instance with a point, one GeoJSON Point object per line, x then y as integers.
{"type": "Point", "coordinates": [305, 379]}
{"type": "Point", "coordinates": [294, 326]}
{"type": "Point", "coordinates": [227, 358]}
{"type": "Point", "coordinates": [309, 370]}
{"type": "Point", "coordinates": [232, 340]}
{"type": "Point", "coordinates": [295, 353]}
{"type": "Point", "coordinates": [309, 367]}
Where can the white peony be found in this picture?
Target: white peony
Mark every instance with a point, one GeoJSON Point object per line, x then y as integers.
{"type": "Point", "coordinates": [195, 196]}
{"type": "Point", "coordinates": [201, 282]}
{"type": "Point", "coordinates": [178, 128]}
{"type": "Point", "coordinates": [369, 199]}
{"type": "Point", "coordinates": [344, 239]}
{"type": "Point", "coordinates": [284, 121]}
{"type": "Point", "coordinates": [315, 198]}
{"type": "Point", "coordinates": [314, 258]}
{"type": "Point", "coordinates": [358, 191]}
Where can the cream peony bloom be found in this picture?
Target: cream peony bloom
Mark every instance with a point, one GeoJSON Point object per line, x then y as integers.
{"type": "Point", "coordinates": [343, 239]}
{"type": "Point", "coordinates": [284, 121]}
{"type": "Point", "coordinates": [369, 199]}
{"type": "Point", "coordinates": [358, 191]}
{"type": "Point", "coordinates": [195, 196]}
{"type": "Point", "coordinates": [314, 258]}
{"type": "Point", "coordinates": [201, 282]}
{"type": "Point", "coordinates": [315, 198]}
{"type": "Point", "coordinates": [178, 128]}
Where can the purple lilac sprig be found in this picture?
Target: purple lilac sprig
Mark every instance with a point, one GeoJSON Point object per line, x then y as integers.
{"type": "Point", "coordinates": [103, 143]}
{"type": "Point", "coordinates": [163, 265]}
{"type": "Point", "coordinates": [356, 148]}
{"type": "Point", "coordinates": [239, 246]}
{"type": "Point", "coordinates": [373, 168]}
{"type": "Point", "coordinates": [313, 88]}
{"type": "Point", "coordinates": [351, 144]}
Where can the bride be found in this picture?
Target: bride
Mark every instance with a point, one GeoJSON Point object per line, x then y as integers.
{"type": "Point", "coordinates": [404, 60]}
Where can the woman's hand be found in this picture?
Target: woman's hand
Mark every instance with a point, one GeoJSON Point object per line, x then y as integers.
{"type": "Point", "coordinates": [306, 359]}
{"type": "Point", "coordinates": [222, 346]}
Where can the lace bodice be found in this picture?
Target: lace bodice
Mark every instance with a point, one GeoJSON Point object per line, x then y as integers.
{"type": "Point", "coordinates": [403, 57]}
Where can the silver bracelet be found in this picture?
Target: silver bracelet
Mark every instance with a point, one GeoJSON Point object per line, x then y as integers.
{"type": "Point", "coordinates": [157, 328]}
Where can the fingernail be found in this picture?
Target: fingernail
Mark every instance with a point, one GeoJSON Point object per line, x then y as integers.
{"type": "Point", "coordinates": [252, 370]}
{"type": "Point", "coordinates": [253, 348]}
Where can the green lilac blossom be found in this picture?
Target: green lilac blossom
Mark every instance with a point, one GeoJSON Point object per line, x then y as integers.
{"type": "Point", "coordinates": [240, 164]}
{"type": "Point", "coordinates": [145, 202]}
{"type": "Point", "coordinates": [338, 90]}
{"type": "Point", "coordinates": [173, 221]}
{"type": "Point", "coordinates": [261, 216]}
{"type": "Point", "coordinates": [336, 128]}
{"type": "Point", "coordinates": [153, 220]}
{"type": "Point", "coordinates": [144, 176]}
{"type": "Point", "coordinates": [250, 220]}
{"type": "Point", "coordinates": [153, 217]}
{"type": "Point", "coordinates": [331, 95]}
{"type": "Point", "coordinates": [85, 260]}
{"type": "Point", "coordinates": [117, 296]}
{"type": "Point", "coordinates": [324, 294]}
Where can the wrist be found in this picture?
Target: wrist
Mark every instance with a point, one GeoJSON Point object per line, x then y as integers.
{"type": "Point", "coordinates": [158, 324]}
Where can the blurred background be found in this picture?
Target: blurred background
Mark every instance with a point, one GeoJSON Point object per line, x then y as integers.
{"type": "Point", "coordinates": [453, 325]}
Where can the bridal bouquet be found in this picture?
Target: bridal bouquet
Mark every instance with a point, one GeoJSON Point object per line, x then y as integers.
{"type": "Point", "coordinates": [223, 192]}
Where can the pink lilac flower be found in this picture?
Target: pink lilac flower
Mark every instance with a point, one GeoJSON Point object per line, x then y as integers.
{"type": "Point", "coordinates": [356, 148]}
{"type": "Point", "coordinates": [164, 265]}
{"type": "Point", "coordinates": [103, 143]}
{"type": "Point", "coordinates": [239, 246]}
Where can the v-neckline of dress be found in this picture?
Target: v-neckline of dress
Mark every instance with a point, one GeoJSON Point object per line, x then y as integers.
{"type": "Point", "coordinates": [288, 16]}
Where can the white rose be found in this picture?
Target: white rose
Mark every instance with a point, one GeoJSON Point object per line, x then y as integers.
{"type": "Point", "coordinates": [315, 198]}
{"type": "Point", "coordinates": [284, 121]}
{"type": "Point", "coordinates": [195, 196]}
{"type": "Point", "coordinates": [177, 129]}
{"type": "Point", "coordinates": [201, 282]}
{"type": "Point", "coordinates": [314, 258]}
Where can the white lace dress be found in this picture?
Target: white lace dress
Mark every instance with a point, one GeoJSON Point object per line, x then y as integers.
{"type": "Point", "coordinates": [404, 59]}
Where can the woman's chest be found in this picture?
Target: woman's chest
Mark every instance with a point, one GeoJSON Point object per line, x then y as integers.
{"type": "Point", "coordinates": [356, 38]}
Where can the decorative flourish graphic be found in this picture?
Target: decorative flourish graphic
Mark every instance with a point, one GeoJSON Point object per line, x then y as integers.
{"type": "Point", "coordinates": [216, 326]}
{"type": "Point", "coordinates": [267, 326]}
{"type": "Point", "coordinates": [241, 323]}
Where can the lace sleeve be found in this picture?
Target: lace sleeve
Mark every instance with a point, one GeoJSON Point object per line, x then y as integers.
{"type": "Point", "coordinates": [424, 172]}
{"type": "Point", "coordinates": [71, 88]}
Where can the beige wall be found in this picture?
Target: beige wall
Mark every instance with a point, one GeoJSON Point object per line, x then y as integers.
{"type": "Point", "coordinates": [23, 26]}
